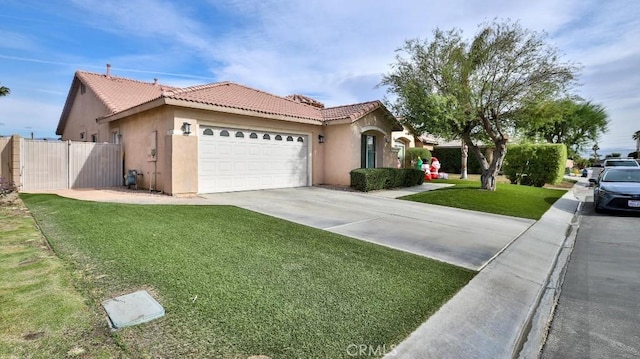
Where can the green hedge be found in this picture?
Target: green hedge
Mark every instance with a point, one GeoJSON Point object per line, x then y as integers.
{"type": "Point", "coordinates": [451, 160]}
{"type": "Point", "coordinates": [413, 153]}
{"type": "Point", "coordinates": [371, 179]}
{"type": "Point", "coordinates": [535, 164]}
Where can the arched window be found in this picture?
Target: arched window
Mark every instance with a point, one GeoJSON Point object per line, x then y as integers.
{"type": "Point", "coordinates": [278, 138]}
{"type": "Point", "coordinates": [300, 139]}
{"type": "Point", "coordinates": [289, 139]}
{"type": "Point", "coordinates": [253, 135]}
{"type": "Point", "coordinates": [224, 133]}
{"type": "Point", "coordinates": [207, 132]}
{"type": "Point", "coordinates": [239, 134]}
{"type": "Point", "coordinates": [266, 136]}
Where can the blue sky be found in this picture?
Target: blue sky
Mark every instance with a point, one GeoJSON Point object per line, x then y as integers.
{"type": "Point", "coordinates": [334, 51]}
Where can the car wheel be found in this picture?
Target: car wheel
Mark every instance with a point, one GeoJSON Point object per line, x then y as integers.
{"type": "Point", "coordinates": [596, 206]}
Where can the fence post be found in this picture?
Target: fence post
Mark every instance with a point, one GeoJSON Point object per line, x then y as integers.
{"type": "Point", "coordinates": [15, 164]}
{"type": "Point", "coordinates": [68, 164]}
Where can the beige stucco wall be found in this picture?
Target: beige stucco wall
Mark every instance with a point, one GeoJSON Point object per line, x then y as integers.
{"type": "Point", "coordinates": [182, 173]}
{"type": "Point", "coordinates": [138, 134]}
{"type": "Point", "coordinates": [342, 152]}
{"type": "Point", "coordinates": [343, 146]}
{"type": "Point", "coordinates": [405, 136]}
{"type": "Point", "coordinates": [82, 118]}
{"type": "Point", "coordinates": [174, 169]}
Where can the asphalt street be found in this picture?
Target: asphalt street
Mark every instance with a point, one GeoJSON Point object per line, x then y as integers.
{"type": "Point", "coordinates": [598, 312]}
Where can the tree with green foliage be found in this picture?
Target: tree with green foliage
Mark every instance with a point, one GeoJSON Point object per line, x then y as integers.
{"type": "Point", "coordinates": [636, 136]}
{"type": "Point", "coordinates": [4, 91]}
{"type": "Point", "coordinates": [475, 89]}
{"type": "Point", "coordinates": [573, 122]}
{"type": "Point", "coordinates": [596, 156]}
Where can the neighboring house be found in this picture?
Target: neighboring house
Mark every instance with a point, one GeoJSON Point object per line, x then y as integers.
{"type": "Point", "coordinates": [224, 136]}
{"type": "Point", "coordinates": [404, 139]}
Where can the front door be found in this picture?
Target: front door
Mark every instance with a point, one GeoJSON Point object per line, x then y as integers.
{"type": "Point", "coordinates": [368, 151]}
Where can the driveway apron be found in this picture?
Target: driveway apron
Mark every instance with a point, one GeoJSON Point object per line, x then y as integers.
{"type": "Point", "coordinates": [465, 238]}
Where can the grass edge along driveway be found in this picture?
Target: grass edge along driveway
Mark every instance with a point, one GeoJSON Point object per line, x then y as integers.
{"type": "Point", "coordinates": [235, 283]}
{"type": "Point", "coordinates": [508, 199]}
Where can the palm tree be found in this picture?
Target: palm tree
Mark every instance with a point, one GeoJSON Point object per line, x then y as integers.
{"type": "Point", "coordinates": [636, 136]}
{"type": "Point", "coordinates": [4, 91]}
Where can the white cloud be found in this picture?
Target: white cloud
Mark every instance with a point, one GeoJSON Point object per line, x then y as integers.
{"type": "Point", "coordinates": [23, 115]}
{"type": "Point", "coordinates": [337, 51]}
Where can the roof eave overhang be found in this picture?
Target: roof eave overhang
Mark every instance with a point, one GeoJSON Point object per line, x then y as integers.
{"type": "Point", "coordinates": [133, 110]}
{"type": "Point", "coordinates": [339, 121]}
{"type": "Point", "coordinates": [207, 107]}
{"type": "Point", "coordinates": [67, 105]}
{"type": "Point", "coordinates": [395, 124]}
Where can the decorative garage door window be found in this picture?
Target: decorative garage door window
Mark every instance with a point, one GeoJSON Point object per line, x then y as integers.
{"type": "Point", "coordinates": [233, 160]}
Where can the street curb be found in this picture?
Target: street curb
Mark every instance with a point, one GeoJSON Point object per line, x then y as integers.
{"type": "Point", "coordinates": [495, 311]}
{"type": "Point", "coordinates": [537, 325]}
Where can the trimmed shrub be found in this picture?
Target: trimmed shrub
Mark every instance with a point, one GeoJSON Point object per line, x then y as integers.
{"type": "Point", "coordinates": [371, 179]}
{"type": "Point", "coordinates": [413, 153]}
{"type": "Point", "coordinates": [535, 164]}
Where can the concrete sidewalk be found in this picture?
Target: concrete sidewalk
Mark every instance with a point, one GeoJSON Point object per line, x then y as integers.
{"type": "Point", "coordinates": [493, 315]}
{"type": "Point", "coordinates": [499, 314]}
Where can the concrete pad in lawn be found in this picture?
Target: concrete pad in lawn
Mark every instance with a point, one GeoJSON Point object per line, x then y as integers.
{"type": "Point", "coordinates": [131, 309]}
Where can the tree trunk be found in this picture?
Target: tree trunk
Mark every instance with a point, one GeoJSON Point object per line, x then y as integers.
{"type": "Point", "coordinates": [465, 156]}
{"type": "Point", "coordinates": [489, 174]}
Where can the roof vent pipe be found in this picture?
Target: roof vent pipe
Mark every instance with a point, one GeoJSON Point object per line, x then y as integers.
{"type": "Point", "coordinates": [155, 80]}
{"type": "Point", "coordinates": [108, 70]}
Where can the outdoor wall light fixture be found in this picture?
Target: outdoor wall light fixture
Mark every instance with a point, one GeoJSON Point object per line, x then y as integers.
{"type": "Point", "coordinates": [320, 138]}
{"type": "Point", "coordinates": [186, 128]}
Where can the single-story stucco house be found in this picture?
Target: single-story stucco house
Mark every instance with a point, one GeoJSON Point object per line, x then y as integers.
{"type": "Point", "coordinates": [224, 136]}
{"type": "Point", "coordinates": [405, 139]}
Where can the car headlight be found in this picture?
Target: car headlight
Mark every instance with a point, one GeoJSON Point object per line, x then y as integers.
{"type": "Point", "coordinates": [605, 192]}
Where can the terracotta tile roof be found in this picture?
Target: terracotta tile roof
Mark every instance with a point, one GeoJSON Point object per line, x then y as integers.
{"type": "Point", "coordinates": [228, 94]}
{"type": "Point", "coordinates": [306, 100]}
{"type": "Point", "coordinates": [352, 112]}
{"type": "Point", "coordinates": [120, 94]}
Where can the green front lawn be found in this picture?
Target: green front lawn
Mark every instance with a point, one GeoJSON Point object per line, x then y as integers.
{"type": "Point", "coordinates": [507, 199]}
{"type": "Point", "coordinates": [41, 314]}
{"type": "Point", "coordinates": [235, 283]}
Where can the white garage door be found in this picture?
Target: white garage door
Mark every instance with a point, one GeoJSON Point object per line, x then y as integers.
{"type": "Point", "coordinates": [241, 160]}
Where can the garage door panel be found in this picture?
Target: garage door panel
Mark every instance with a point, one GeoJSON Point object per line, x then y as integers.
{"type": "Point", "coordinates": [244, 163]}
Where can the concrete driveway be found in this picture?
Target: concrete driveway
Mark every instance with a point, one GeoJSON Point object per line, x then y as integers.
{"type": "Point", "coordinates": [465, 238]}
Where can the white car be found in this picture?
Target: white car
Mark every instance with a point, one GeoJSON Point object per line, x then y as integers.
{"type": "Point", "coordinates": [620, 162]}
{"type": "Point", "coordinates": [614, 162]}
